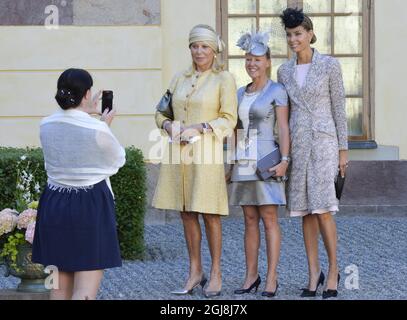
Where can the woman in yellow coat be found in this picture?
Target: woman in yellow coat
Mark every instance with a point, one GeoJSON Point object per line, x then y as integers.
{"type": "Point", "coordinates": [192, 178]}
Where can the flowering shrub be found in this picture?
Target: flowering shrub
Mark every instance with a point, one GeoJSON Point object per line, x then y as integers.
{"type": "Point", "coordinates": [26, 218]}
{"type": "Point", "coordinates": [8, 221]}
{"type": "Point", "coordinates": [129, 185]}
{"type": "Point", "coordinates": [17, 225]}
{"type": "Point", "coordinates": [26, 188]}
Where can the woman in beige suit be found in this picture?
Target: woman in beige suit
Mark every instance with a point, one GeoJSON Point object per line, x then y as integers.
{"type": "Point", "coordinates": [193, 180]}
{"type": "Point", "coordinates": [318, 144]}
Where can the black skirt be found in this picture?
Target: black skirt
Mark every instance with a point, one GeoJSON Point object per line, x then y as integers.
{"type": "Point", "coordinates": [76, 229]}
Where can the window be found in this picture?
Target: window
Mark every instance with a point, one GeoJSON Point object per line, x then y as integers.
{"type": "Point", "coordinates": [343, 31]}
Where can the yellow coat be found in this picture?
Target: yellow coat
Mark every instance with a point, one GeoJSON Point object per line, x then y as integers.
{"type": "Point", "coordinates": [196, 182]}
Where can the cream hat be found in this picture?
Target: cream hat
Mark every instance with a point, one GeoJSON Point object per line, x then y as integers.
{"type": "Point", "coordinates": [206, 34]}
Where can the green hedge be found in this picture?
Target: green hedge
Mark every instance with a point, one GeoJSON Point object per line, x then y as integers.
{"type": "Point", "coordinates": [129, 186]}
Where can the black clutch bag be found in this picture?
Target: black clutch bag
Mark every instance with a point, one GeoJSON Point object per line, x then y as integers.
{"type": "Point", "coordinates": [339, 183]}
{"type": "Point", "coordinates": [267, 162]}
{"type": "Point", "coordinates": [165, 105]}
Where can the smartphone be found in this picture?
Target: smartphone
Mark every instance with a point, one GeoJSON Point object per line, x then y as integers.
{"type": "Point", "coordinates": [107, 101]}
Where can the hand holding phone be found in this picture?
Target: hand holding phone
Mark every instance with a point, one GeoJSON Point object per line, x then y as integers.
{"type": "Point", "coordinates": [107, 116]}
{"type": "Point", "coordinates": [107, 100]}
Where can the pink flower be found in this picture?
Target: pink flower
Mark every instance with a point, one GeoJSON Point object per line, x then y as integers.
{"type": "Point", "coordinates": [25, 218]}
{"type": "Point", "coordinates": [8, 221]}
{"type": "Point", "coordinates": [29, 233]}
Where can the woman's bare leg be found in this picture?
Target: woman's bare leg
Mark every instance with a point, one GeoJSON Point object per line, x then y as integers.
{"type": "Point", "coordinates": [251, 244]}
{"type": "Point", "coordinates": [310, 228]}
{"type": "Point", "coordinates": [269, 215]}
{"type": "Point", "coordinates": [86, 284]}
{"type": "Point", "coordinates": [193, 237]}
{"type": "Point", "coordinates": [213, 227]}
{"type": "Point", "coordinates": [327, 226]}
{"type": "Point", "coordinates": [65, 287]}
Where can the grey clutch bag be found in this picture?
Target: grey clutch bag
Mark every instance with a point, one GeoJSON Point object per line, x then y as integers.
{"type": "Point", "coordinates": [267, 162]}
{"type": "Point", "coordinates": [165, 105]}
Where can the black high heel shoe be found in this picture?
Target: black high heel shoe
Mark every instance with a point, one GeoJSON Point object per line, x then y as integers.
{"type": "Point", "coordinates": [270, 294]}
{"type": "Point", "coordinates": [184, 292]}
{"type": "Point", "coordinates": [331, 293]}
{"type": "Point", "coordinates": [306, 293]}
{"type": "Point", "coordinates": [254, 285]}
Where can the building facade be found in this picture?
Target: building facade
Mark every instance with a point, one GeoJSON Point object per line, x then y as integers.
{"type": "Point", "coordinates": [134, 47]}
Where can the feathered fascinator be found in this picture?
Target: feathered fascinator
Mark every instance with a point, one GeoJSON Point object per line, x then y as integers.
{"type": "Point", "coordinates": [255, 43]}
{"type": "Point", "coordinates": [292, 18]}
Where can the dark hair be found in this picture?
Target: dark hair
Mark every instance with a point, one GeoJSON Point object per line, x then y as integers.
{"type": "Point", "coordinates": [268, 54]}
{"type": "Point", "coordinates": [292, 18]}
{"type": "Point", "coordinates": [72, 87]}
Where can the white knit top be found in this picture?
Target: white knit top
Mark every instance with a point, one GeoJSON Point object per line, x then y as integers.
{"type": "Point", "coordinates": [79, 150]}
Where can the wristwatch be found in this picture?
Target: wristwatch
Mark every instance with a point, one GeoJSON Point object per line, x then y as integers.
{"type": "Point", "coordinates": [286, 158]}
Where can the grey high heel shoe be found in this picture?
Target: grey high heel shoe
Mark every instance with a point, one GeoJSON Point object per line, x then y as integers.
{"type": "Point", "coordinates": [183, 292]}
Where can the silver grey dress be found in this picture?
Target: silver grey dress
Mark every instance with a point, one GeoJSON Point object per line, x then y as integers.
{"type": "Point", "coordinates": [247, 188]}
{"type": "Point", "coordinates": [318, 130]}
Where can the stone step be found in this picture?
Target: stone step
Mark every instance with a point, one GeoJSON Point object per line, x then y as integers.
{"type": "Point", "coordinates": [10, 294]}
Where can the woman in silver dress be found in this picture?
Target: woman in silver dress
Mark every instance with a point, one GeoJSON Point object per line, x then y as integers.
{"type": "Point", "coordinates": [261, 104]}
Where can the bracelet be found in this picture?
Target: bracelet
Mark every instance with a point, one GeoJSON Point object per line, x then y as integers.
{"type": "Point", "coordinates": [205, 127]}
{"type": "Point", "coordinates": [286, 158]}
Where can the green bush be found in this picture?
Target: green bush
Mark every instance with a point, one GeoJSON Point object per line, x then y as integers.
{"type": "Point", "coordinates": [129, 186]}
